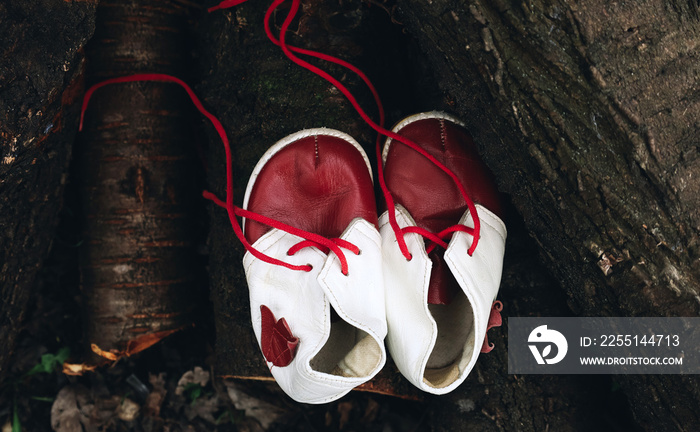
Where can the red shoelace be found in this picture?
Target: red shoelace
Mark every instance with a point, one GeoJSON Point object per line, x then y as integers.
{"type": "Point", "coordinates": [310, 239]}
{"type": "Point", "coordinates": [434, 239]}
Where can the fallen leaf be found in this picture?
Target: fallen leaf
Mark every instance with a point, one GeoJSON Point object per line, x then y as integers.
{"type": "Point", "coordinates": [109, 355]}
{"type": "Point", "coordinates": [195, 376]}
{"type": "Point", "coordinates": [128, 410]}
{"type": "Point", "coordinates": [106, 409]}
{"type": "Point", "coordinates": [77, 369]}
{"type": "Point", "coordinates": [146, 341]}
{"type": "Point", "coordinates": [262, 411]}
{"type": "Point", "coordinates": [71, 410]}
{"type": "Point", "coordinates": [204, 407]}
{"type": "Point", "coordinates": [154, 400]}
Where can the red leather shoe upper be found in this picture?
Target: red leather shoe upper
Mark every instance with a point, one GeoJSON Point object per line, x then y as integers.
{"type": "Point", "coordinates": [430, 195]}
{"type": "Point", "coordinates": [318, 183]}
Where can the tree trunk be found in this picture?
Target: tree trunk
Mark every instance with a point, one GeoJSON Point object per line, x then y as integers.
{"type": "Point", "coordinates": [41, 82]}
{"type": "Point", "coordinates": [137, 165]}
{"type": "Point", "coordinates": [589, 115]}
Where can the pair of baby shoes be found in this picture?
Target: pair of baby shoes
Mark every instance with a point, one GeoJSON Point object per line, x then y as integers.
{"type": "Point", "coordinates": [423, 276]}
{"type": "Point", "coordinates": [330, 281]}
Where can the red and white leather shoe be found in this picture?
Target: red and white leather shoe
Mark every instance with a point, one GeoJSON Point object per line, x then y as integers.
{"type": "Point", "coordinates": [321, 329]}
{"type": "Point", "coordinates": [439, 291]}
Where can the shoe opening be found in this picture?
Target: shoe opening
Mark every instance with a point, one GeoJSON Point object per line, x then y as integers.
{"type": "Point", "coordinates": [455, 342]}
{"type": "Point", "coordinates": [348, 352]}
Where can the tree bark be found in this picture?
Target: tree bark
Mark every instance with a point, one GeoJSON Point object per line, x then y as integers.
{"type": "Point", "coordinates": [589, 115]}
{"type": "Point", "coordinates": [41, 82]}
{"type": "Point", "coordinates": [137, 165]}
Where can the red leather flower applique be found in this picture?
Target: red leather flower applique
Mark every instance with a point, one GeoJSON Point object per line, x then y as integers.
{"type": "Point", "coordinates": [277, 341]}
{"type": "Point", "coordinates": [495, 320]}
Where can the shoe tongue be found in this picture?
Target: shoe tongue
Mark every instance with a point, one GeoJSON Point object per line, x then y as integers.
{"type": "Point", "coordinates": [443, 286]}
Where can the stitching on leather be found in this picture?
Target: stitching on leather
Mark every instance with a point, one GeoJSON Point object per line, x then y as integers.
{"type": "Point", "coordinates": [326, 330]}
{"type": "Point", "coordinates": [442, 133]}
{"type": "Point", "coordinates": [363, 225]}
{"type": "Point", "coordinates": [466, 277]}
{"type": "Point", "coordinates": [324, 378]}
{"type": "Point", "coordinates": [328, 379]}
{"type": "Point", "coordinates": [434, 333]}
{"type": "Point", "coordinates": [354, 322]}
{"type": "Point", "coordinates": [347, 316]}
{"type": "Point", "coordinates": [403, 217]}
{"type": "Point", "coordinates": [316, 151]}
{"type": "Point", "coordinates": [495, 229]}
{"type": "Point", "coordinates": [270, 241]}
{"type": "Point", "coordinates": [289, 139]}
{"type": "Point", "coordinates": [471, 286]}
{"type": "Point", "coordinates": [489, 220]}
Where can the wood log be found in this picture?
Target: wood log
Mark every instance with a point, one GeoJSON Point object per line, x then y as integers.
{"type": "Point", "coordinates": [41, 81]}
{"type": "Point", "coordinates": [588, 113]}
{"type": "Point", "coordinates": [138, 165]}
